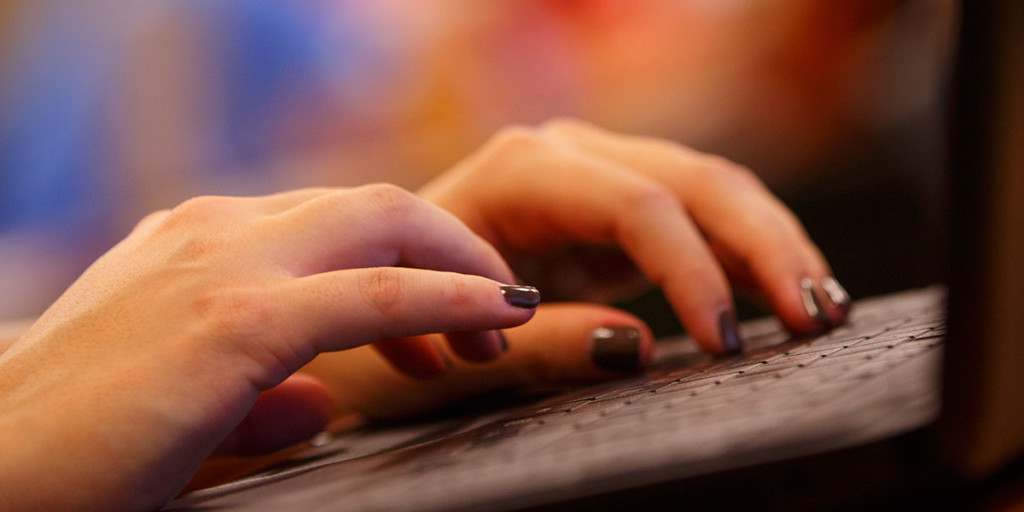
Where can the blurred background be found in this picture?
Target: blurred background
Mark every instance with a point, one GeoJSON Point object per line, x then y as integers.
{"type": "Point", "coordinates": [111, 109]}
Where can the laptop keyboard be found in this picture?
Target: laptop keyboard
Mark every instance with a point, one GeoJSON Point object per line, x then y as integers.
{"type": "Point", "coordinates": [688, 403]}
{"type": "Point", "coordinates": [777, 377]}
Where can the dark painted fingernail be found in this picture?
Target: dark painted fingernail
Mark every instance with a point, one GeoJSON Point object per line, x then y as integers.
{"type": "Point", "coordinates": [616, 349]}
{"type": "Point", "coordinates": [521, 296]}
{"type": "Point", "coordinates": [835, 292]}
{"type": "Point", "coordinates": [730, 332]}
{"type": "Point", "coordinates": [812, 304]}
{"type": "Point", "coordinates": [504, 342]}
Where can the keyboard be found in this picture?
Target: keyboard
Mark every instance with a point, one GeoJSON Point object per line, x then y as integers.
{"type": "Point", "coordinates": [782, 397]}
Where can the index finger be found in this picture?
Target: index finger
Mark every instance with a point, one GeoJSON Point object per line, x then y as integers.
{"type": "Point", "coordinates": [390, 226]}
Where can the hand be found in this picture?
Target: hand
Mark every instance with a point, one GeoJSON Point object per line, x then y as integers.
{"type": "Point", "coordinates": [573, 207]}
{"type": "Point", "coordinates": [576, 210]}
{"type": "Point", "coordinates": [153, 357]}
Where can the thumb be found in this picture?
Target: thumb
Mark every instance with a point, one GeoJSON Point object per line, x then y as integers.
{"type": "Point", "coordinates": [576, 342]}
{"type": "Point", "coordinates": [565, 343]}
{"type": "Point", "coordinates": [287, 414]}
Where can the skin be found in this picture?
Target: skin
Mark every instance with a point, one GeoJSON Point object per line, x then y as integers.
{"type": "Point", "coordinates": [238, 326]}
{"type": "Point", "coordinates": [517, 191]}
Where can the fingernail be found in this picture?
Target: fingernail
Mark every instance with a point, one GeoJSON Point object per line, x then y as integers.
{"type": "Point", "coordinates": [504, 342]}
{"type": "Point", "coordinates": [812, 305]}
{"type": "Point", "coordinates": [835, 292]}
{"type": "Point", "coordinates": [521, 296]}
{"type": "Point", "coordinates": [616, 348]}
{"type": "Point", "coordinates": [729, 330]}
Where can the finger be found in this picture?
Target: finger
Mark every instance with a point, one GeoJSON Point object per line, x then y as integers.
{"type": "Point", "coordinates": [287, 414]}
{"type": "Point", "coordinates": [285, 326]}
{"type": "Point", "coordinates": [419, 357]}
{"type": "Point", "coordinates": [574, 342]}
{"type": "Point", "coordinates": [672, 253]}
{"type": "Point", "coordinates": [390, 227]}
{"type": "Point", "coordinates": [737, 213]}
{"type": "Point", "coordinates": [567, 343]}
{"type": "Point", "coordinates": [477, 346]}
{"type": "Point", "coordinates": [619, 207]}
{"type": "Point", "coordinates": [380, 225]}
{"type": "Point", "coordinates": [422, 357]}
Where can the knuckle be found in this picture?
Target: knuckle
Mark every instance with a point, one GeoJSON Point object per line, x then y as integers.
{"type": "Point", "coordinates": [517, 138]}
{"type": "Point", "coordinates": [381, 288]}
{"type": "Point", "coordinates": [731, 174]}
{"type": "Point", "coordinates": [200, 208]}
{"type": "Point", "coordinates": [392, 200]}
{"type": "Point", "coordinates": [154, 217]}
{"type": "Point", "coordinates": [649, 195]}
{"type": "Point", "coordinates": [203, 225]}
{"type": "Point", "coordinates": [193, 218]}
{"type": "Point", "coordinates": [151, 219]}
{"type": "Point", "coordinates": [459, 292]}
{"type": "Point", "coordinates": [188, 231]}
{"type": "Point", "coordinates": [564, 124]}
{"type": "Point", "coordinates": [514, 153]}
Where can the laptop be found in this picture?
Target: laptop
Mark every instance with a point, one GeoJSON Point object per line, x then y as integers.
{"type": "Point", "coordinates": [916, 401]}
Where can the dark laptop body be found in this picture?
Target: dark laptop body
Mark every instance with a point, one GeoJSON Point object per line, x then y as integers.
{"type": "Point", "coordinates": [918, 402]}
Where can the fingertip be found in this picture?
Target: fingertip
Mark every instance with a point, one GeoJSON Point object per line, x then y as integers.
{"type": "Point", "coordinates": [574, 343]}
{"type": "Point", "coordinates": [728, 333]}
{"type": "Point", "coordinates": [618, 342]}
{"type": "Point", "coordinates": [711, 323]}
{"type": "Point", "coordinates": [621, 348]}
{"type": "Point", "coordinates": [477, 346]}
{"type": "Point", "coordinates": [414, 356]}
{"type": "Point", "coordinates": [521, 296]}
{"type": "Point", "coordinates": [806, 308]}
{"type": "Point", "coordinates": [838, 298]}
